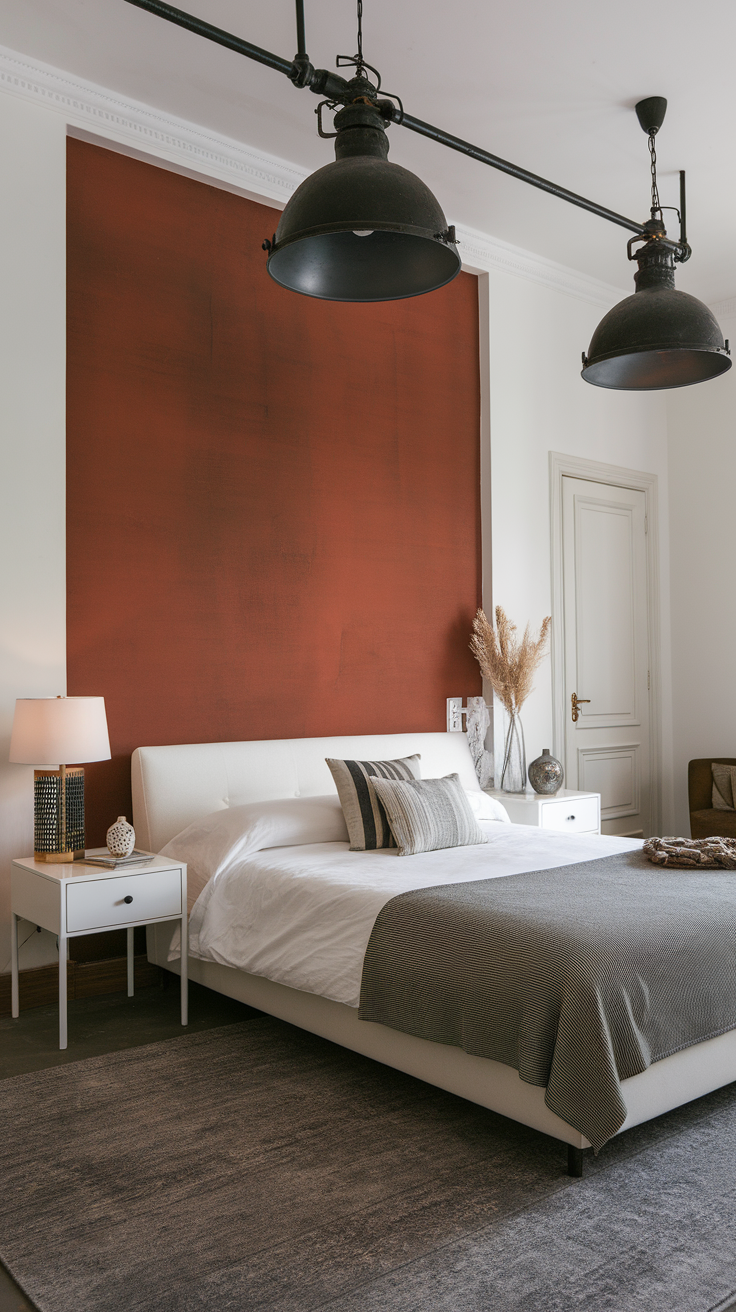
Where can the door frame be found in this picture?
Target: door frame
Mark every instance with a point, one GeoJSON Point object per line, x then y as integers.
{"type": "Point", "coordinates": [561, 466]}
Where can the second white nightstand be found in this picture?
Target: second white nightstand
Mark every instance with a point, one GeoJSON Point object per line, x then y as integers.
{"type": "Point", "coordinates": [575, 813]}
{"type": "Point", "coordinates": [70, 900]}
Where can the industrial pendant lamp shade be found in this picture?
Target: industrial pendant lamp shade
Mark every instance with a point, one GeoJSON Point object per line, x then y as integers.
{"type": "Point", "coordinates": [361, 228]}
{"type": "Point", "coordinates": [659, 337]}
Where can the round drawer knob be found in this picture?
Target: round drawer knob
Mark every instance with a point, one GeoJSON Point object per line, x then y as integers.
{"type": "Point", "coordinates": [570, 817]}
{"type": "Point", "coordinates": [128, 899]}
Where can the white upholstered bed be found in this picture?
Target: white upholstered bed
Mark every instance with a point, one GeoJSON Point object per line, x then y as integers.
{"type": "Point", "coordinates": [173, 786]}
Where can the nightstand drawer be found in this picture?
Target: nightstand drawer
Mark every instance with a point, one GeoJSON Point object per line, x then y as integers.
{"type": "Point", "coordinates": [576, 815]}
{"type": "Point", "coordinates": [99, 903]}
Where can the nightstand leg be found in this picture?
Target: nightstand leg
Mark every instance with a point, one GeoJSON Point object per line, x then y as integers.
{"type": "Point", "coordinates": [184, 972]}
{"type": "Point", "coordinates": [14, 1002]}
{"type": "Point", "coordinates": [62, 991]}
{"type": "Point", "coordinates": [131, 963]}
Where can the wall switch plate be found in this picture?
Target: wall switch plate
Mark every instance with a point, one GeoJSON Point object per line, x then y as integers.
{"type": "Point", "coordinates": [455, 713]}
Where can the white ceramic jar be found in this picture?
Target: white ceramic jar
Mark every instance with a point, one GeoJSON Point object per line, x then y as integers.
{"type": "Point", "coordinates": [120, 838]}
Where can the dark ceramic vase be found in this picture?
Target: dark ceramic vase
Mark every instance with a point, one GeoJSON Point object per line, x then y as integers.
{"type": "Point", "coordinates": [546, 774]}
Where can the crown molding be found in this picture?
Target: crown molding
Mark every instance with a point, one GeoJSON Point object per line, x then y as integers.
{"type": "Point", "coordinates": [130, 123]}
{"type": "Point", "coordinates": [137, 128]}
{"type": "Point", "coordinates": [483, 253]}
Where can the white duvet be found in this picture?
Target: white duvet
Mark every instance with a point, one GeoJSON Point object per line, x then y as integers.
{"type": "Point", "coordinates": [282, 896]}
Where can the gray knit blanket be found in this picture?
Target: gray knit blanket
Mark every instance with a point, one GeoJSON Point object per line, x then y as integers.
{"type": "Point", "coordinates": [577, 977]}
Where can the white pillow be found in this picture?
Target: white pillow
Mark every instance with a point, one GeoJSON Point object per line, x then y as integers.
{"type": "Point", "coordinates": [211, 844]}
{"type": "Point", "coordinates": [487, 808]}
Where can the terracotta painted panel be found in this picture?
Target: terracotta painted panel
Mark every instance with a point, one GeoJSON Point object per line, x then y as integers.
{"type": "Point", "coordinates": [273, 501]}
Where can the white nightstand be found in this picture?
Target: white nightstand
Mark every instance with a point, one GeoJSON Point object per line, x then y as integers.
{"type": "Point", "coordinates": [575, 813]}
{"type": "Point", "coordinates": [79, 898]}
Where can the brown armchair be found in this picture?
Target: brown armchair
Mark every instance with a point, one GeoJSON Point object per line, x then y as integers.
{"type": "Point", "coordinates": [705, 820]}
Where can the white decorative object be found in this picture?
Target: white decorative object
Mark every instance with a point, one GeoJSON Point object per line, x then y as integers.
{"type": "Point", "coordinates": [478, 721]}
{"type": "Point", "coordinates": [121, 837]}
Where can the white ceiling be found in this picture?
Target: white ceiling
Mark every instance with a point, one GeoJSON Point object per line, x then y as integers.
{"type": "Point", "coordinates": [550, 86]}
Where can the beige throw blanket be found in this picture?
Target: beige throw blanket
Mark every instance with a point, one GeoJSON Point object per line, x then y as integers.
{"type": "Point", "coordinates": [685, 853]}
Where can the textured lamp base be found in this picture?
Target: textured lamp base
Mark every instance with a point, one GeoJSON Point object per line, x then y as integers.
{"type": "Point", "coordinates": [59, 814]}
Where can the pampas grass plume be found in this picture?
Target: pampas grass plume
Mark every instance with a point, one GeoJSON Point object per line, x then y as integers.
{"type": "Point", "coordinates": [508, 662]}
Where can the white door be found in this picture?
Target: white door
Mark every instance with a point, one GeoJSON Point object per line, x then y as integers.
{"type": "Point", "coordinates": [607, 748]}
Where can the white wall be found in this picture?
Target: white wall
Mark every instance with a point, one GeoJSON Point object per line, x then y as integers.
{"type": "Point", "coordinates": [702, 432]}
{"type": "Point", "coordinates": [538, 404]}
{"type": "Point", "coordinates": [32, 464]}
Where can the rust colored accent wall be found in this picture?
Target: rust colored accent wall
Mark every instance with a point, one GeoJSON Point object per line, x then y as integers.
{"type": "Point", "coordinates": [273, 501]}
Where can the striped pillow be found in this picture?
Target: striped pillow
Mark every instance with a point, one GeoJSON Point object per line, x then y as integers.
{"type": "Point", "coordinates": [364, 815]}
{"type": "Point", "coordinates": [426, 814]}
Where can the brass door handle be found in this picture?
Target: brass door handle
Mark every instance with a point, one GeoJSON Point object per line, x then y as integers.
{"type": "Point", "coordinates": [575, 702]}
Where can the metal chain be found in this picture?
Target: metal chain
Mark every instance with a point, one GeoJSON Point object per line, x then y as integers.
{"type": "Point", "coordinates": [655, 190]}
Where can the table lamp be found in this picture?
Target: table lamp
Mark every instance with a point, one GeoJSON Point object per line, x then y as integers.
{"type": "Point", "coordinates": [47, 730]}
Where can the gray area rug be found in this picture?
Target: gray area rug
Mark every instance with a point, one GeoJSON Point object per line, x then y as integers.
{"type": "Point", "coordinates": [258, 1167]}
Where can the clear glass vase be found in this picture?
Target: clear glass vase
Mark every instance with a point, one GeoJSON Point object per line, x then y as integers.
{"type": "Point", "coordinates": [513, 774]}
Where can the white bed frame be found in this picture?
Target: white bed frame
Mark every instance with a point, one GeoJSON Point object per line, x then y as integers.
{"type": "Point", "coordinates": [174, 785]}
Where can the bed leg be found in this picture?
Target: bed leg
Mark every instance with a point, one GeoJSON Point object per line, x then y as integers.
{"type": "Point", "coordinates": [575, 1161]}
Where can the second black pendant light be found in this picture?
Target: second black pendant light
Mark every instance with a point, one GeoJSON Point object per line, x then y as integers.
{"type": "Point", "coordinates": [658, 338]}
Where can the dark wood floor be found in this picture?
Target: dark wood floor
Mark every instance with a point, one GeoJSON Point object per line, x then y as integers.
{"type": "Point", "coordinates": [97, 1026]}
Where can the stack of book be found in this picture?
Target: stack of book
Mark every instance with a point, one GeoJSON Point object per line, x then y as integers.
{"type": "Point", "coordinates": [101, 857]}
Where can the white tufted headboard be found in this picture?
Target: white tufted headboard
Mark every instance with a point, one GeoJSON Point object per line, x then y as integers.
{"type": "Point", "coordinates": [172, 786]}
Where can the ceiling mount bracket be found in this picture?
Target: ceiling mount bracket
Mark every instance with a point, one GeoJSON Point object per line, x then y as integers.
{"type": "Point", "coordinates": [650, 113]}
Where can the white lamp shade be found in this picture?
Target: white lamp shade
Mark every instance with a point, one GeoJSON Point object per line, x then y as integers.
{"type": "Point", "coordinates": [59, 731]}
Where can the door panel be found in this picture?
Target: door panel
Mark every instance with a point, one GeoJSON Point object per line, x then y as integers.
{"type": "Point", "coordinates": [614, 773]}
{"type": "Point", "coordinates": [606, 655]}
{"type": "Point", "coordinates": [606, 649]}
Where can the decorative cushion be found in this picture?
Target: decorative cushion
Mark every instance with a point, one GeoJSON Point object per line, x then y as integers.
{"type": "Point", "coordinates": [364, 814]}
{"type": "Point", "coordinates": [426, 814]}
{"type": "Point", "coordinates": [723, 787]}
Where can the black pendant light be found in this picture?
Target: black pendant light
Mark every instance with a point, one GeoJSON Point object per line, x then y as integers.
{"type": "Point", "coordinates": [659, 337]}
{"type": "Point", "coordinates": [362, 229]}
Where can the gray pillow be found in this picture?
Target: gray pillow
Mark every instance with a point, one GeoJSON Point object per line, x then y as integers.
{"type": "Point", "coordinates": [427, 814]}
{"type": "Point", "coordinates": [365, 817]}
{"type": "Point", "coordinates": [723, 782]}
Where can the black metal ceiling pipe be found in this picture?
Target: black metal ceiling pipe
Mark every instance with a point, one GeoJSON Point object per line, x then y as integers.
{"type": "Point", "coordinates": [514, 171]}
{"type": "Point", "coordinates": [301, 39]}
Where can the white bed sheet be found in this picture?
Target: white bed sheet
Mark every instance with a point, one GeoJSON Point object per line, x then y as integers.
{"type": "Point", "coordinates": [302, 916]}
